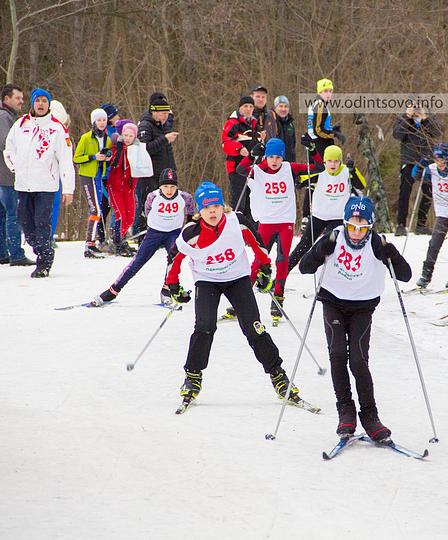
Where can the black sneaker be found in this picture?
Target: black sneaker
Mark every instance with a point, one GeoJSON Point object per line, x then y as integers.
{"type": "Point", "coordinates": [275, 311]}
{"type": "Point", "coordinates": [347, 419]}
{"type": "Point", "coordinates": [40, 273]}
{"type": "Point", "coordinates": [373, 425]}
{"type": "Point", "coordinates": [22, 262]}
{"type": "Point", "coordinates": [280, 382]}
{"type": "Point", "coordinates": [192, 384]}
{"type": "Point", "coordinates": [401, 231]}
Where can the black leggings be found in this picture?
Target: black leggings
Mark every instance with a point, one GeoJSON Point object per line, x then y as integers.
{"type": "Point", "coordinates": [240, 294]}
{"type": "Point", "coordinates": [319, 227]}
{"type": "Point", "coordinates": [348, 339]}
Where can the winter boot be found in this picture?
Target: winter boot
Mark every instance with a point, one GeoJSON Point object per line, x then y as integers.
{"type": "Point", "coordinates": [280, 383]}
{"type": "Point", "coordinates": [40, 273]}
{"type": "Point", "coordinates": [425, 279]}
{"type": "Point", "coordinates": [347, 419]}
{"type": "Point", "coordinates": [373, 426]}
{"type": "Point", "coordinates": [92, 252]}
{"type": "Point", "coordinates": [192, 384]}
{"type": "Point", "coordinates": [401, 231]}
{"type": "Point", "coordinates": [275, 311]}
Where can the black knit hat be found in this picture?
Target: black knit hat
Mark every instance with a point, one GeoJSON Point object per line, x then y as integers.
{"type": "Point", "coordinates": [168, 176]}
{"type": "Point", "coordinates": [246, 99]}
{"type": "Point", "coordinates": [159, 103]}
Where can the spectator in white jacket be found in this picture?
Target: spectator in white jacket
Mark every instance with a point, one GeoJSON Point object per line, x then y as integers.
{"type": "Point", "coordinates": [38, 149]}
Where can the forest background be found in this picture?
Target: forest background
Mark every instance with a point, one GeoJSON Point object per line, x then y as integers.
{"type": "Point", "coordinates": [205, 54]}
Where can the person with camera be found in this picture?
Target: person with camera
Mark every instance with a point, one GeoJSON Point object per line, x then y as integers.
{"type": "Point", "coordinates": [93, 154]}
{"type": "Point", "coordinates": [416, 131]}
{"type": "Point", "coordinates": [155, 131]}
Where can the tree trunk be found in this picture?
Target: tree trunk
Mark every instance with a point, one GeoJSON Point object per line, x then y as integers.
{"type": "Point", "coordinates": [14, 42]}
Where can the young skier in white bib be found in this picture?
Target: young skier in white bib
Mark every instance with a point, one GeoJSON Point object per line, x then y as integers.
{"type": "Point", "coordinates": [437, 175]}
{"type": "Point", "coordinates": [272, 185]}
{"type": "Point", "coordinates": [354, 260]}
{"type": "Point", "coordinates": [166, 209]}
{"type": "Point", "coordinates": [215, 243]}
{"type": "Point", "coordinates": [331, 193]}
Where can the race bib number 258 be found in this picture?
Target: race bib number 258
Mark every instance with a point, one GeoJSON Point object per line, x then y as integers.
{"type": "Point", "coordinates": [228, 255]}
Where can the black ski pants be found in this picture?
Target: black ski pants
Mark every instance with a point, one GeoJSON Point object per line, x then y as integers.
{"type": "Point", "coordinates": [240, 294]}
{"type": "Point", "coordinates": [406, 183]}
{"type": "Point", "coordinates": [319, 227]}
{"type": "Point", "coordinates": [348, 338]}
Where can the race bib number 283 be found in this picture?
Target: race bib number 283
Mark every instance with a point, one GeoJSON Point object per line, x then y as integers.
{"type": "Point", "coordinates": [347, 259]}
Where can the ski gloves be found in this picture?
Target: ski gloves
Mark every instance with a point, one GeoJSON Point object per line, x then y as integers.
{"type": "Point", "coordinates": [264, 281]}
{"type": "Point", "coordinates": [178, 294]}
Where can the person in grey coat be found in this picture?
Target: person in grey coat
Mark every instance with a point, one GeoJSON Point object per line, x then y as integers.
{"type": "Point", "coordinates": [10, 233]}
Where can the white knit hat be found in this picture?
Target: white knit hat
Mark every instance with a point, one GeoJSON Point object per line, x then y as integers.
{"type": "Point", "coordinates": [58, 111]}
{"type": "Point", "coordinates": [96, 114]}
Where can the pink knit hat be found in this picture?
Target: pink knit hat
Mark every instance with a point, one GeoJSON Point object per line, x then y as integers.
{"type": "Point", "coordinates": [131, 127]}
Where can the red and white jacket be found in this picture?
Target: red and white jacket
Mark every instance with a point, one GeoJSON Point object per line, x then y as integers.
{"type": "Point", "coordinates": [39, 151]}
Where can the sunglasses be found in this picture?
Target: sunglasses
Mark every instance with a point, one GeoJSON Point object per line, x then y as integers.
{"type": "Point", "coordinates": [357, 228]}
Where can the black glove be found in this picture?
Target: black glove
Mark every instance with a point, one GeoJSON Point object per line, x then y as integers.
{"type": "Point", "coordinates": [327, 244]}
{"type": "Point", "coordinates": [258, 150]}
{"type": "Point", "coordinates": [390, 252]}
{"type": "Point", "coordinates": [350, 164]}
{"type": "Point", "coordinates": [178, 294]}
{"type": "Point", "coordinates": [264, 281]}
{"type": "Point", "coordinates": [339, 135]}
{"type": "Point", "coordinates": [307, 142]}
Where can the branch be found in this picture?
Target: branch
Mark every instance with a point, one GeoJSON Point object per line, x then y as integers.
{"type": "Point", "coordinates": [39, 11]}
{"type": "Point", "coordinates": [76, 11]}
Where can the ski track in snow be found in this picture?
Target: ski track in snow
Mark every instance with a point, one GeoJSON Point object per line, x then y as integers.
{"type": "Point", "coordinates": [89, 451]}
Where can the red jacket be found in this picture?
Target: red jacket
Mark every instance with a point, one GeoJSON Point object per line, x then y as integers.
{"type": "Point", "coordinates": [120, 177]}
{"type": "Point", "coordinates": [237, 133]}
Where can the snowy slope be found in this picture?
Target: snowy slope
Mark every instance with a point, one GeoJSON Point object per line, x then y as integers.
{"type": "Point", "coordinates": [89, 451]}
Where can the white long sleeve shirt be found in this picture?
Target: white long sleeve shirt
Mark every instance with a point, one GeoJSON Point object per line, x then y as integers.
{"type": "Point", "coordinates": [39, 151]}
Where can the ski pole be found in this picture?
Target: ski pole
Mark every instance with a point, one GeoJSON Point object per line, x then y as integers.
{"type": "Point", "coordinates": [322, 370]}
{"type": "Point", "coordinates": [434, 439]}
{"type": "Point", "coordinates": [176, 307]}
{"type": "Point", "coordinates": [310, 204]}
{"type": "Point", "coordinates": [414, 210]}
{"type": "Point", "coordinates": [272, 436]}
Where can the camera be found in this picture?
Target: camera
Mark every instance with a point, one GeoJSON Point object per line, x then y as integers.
{"type": "Point", "coordinates": [107, 152]}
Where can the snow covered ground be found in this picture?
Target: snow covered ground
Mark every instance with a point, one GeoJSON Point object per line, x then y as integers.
{"type": "Point", "coordinates": [89, 451]}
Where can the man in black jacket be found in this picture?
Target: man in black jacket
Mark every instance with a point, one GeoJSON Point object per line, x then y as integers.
{"type": "Point", "coordinates": [285, 127]}
{"type": "Point", "coordinates": [416, 131]}
{"type": "Point", "coordinates": [11, 250]}
{"type": "Point", "coordinates": [153, 130]}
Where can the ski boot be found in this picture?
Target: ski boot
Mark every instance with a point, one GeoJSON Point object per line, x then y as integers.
{"type": "Point", "coordinates": [107, 296]}
{"type": "Point", "coordinates": [92, 252]}
{"type": "Point", "coordinates": [373, 426]}
{"type": "Point", "coordinates": [229, 315]}
{"type": "Point", "coordinates": [422, 229]}
{"type": "Point", "coordinates": [192, 385]}
{"type": "Point", "coordinates": [303, 225]}
{"type": "Point", "coordinates": [280, 383]}
{"type": "Point", "coordinates": [425, 279]}
{"type": "Point", "coordinates": [347, 419]}
{"type": "Point", "coordinates": [124, 250]}
{"type": "Point", "coordinates": [276, 313]}
{"type": "Point", "coordinates": [40, 273]}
